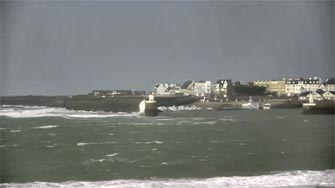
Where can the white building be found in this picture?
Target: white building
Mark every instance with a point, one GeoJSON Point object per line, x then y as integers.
{"type": "Point", "coordinates": [317, 95]}
{"type": "Point", "coordinates": [297, 86]}
{"type": "Point", "coordinates": [167, 89]}
{"type": "Point", "coordinates": [188, 88]}
{"type": "Point", "coordinates": [276, 87]}
{"type": "Point", "coordinates": [329, 95]}
{"type": "Point", "coordinates": [223, 88]}
{"type": "Point", "coordinates": [203, 88]}
{"type": "Point", "coordinates": [330, 84]}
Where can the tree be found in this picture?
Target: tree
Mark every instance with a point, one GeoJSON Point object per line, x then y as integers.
{"type": "Point", "coordinates": [249, 90]}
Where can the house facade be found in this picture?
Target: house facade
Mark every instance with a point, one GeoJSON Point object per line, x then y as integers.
{"type": "Point", "coordinates": [276, 87]}
{"type": "Point", "coordinates": [330, 84]}
{"type": "Point", "coordinates": [223, 88]}
{"type": "Point", "coordinates": [297, 86]}
{"type": "Point", "coordinates": [317, 95]}
{"type": "Point", "coordinates": [329, 95]}
{"type": "Point", "coordinates": [203, 88]}
{"type": "Point", "coordinates": [188, 88]}
{"type": "Point", "coordinates": [167, 89]}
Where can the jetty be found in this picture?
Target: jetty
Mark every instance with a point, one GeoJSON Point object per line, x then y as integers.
{"type": "Point", "coordinates": [318, 107]}
{"type": "Point", "coordinates": [122, 103]}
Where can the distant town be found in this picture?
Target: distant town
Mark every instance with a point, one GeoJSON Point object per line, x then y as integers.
{"type": "Point", "coordinates": [221, 94]}
{"type": "Point", "coordinates": [229, 90]}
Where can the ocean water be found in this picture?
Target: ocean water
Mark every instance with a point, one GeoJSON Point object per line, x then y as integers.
{"type": "Point", "coordinates": [182, 147]}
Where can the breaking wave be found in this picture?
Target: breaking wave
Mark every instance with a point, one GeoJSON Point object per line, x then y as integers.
{"type": "Point", "coordinates": [283, 179]}
{"type": "Point", "coordinates": [46, 127]}
{"type": "Point", "coordinates": [94, 143]}
{"type": "Point", "coordinates": [178, 108]}
{"type": "Point", "coordinates": [42, 111]}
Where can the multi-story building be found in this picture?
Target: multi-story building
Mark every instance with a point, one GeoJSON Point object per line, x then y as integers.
{"type": "Point", "coordinates": [188, 88]}
{"type": "Point", "coordinates": [330, 84]}
{"type": "Point", "coordinates": [223, 88]}
{"type": "Point", "coordinates": [272, 86]}
{"type": "Point", "coordinates": [203, 88]}
{"type": "Point", "coordinates": [297, 86]}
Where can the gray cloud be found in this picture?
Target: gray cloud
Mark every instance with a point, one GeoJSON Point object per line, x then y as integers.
{"type": "Point", "coordinates": [74, 47]}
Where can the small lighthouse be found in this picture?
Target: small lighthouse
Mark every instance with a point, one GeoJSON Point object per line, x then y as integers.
{"type": "Point", "coordinates": [148, 106]}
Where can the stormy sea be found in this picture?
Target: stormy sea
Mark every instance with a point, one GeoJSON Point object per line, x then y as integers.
{"type": "Point", "coordinates": [182, 147]}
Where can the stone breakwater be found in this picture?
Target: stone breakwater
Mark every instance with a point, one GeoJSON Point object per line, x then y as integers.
{"type": "Point", "coordinates": [91, 103]}
{"type": "Point", "coordinates": [130, 103]}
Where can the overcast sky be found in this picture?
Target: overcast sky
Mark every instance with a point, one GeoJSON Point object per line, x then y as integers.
{"type": "Point", "coordinates": [73, 47]}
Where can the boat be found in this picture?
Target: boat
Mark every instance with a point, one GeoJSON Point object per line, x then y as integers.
{"type": "Point", "coordinates": [250, 105]}
{"type": "Point", "coordinates": [266, 106]}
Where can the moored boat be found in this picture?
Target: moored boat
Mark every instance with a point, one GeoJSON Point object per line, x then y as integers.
{"type": "Point", "coordinates": [250, 105]}
{"type": "Point", "coordinates": [266, 106]}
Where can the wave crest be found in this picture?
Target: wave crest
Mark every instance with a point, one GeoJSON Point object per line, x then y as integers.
{"type": "Point", "coordinates": [178, 108]}
{"type": "Point", "coordinates": [284, 179]}
{"type": "Point", "coordinates": [42, 111]}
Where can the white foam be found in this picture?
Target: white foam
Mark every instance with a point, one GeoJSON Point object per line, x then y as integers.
{"type": "Point", "coordinates": [164, 163]}
{"type": "Point", "coordinates": [204, 123]}
{"type": "Point", "coordinates": [138, 123]}
{"type": "Point", "coordinates": [15, 131]}
{"type": "Point", "coordinates": [94, 143]}
{"type": "Point", "coordinates": [46, 127]}
{"type": "Point", "coordinates": [178, 108]}
{"type": "Point", "coordinates": [154, 142]}
{"type": "Point", "coordinates": [51, 146]}
{"type": "Point", "coordinates": [42, 111]}
{"type": "Point", "coordinates": [165, 119]}
{"type": "Point", "coordinates": [227, 118]}
{"type": "Point", "coordinates": [3, 146]}
{"type": "Point", "coordinates": [198, 118]}
{"type": "Point", "coordinates": [284, 179]}
{"type": "Point", "coordinates": [280, 116]}
{"type": "Point", "coordinates": [112, 155]}
{"type": "Point", "coordinates": [98, 160]}
{"type": "Point", "coordinates": [150, 142]}
{"type": "Point", "coordinates": [91, 161]}
{"type": "Point", "coordinates": [183, 122]}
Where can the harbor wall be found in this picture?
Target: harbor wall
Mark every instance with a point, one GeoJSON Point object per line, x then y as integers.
{"type": "Point", "coordinates": [130, 103]}
{"type": "Point", "coordinates": [235, 105]}
{"type": "Point", "coordinates": [30, 100]}
{"type": "Point", "coordinates": [175, 100]}
{"type": "Point", "coordinates": [91, 103]}
{"type": "Point", "coordinates": [320, 107]}
{"type": "Point", "coordinates": [115, 104]}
